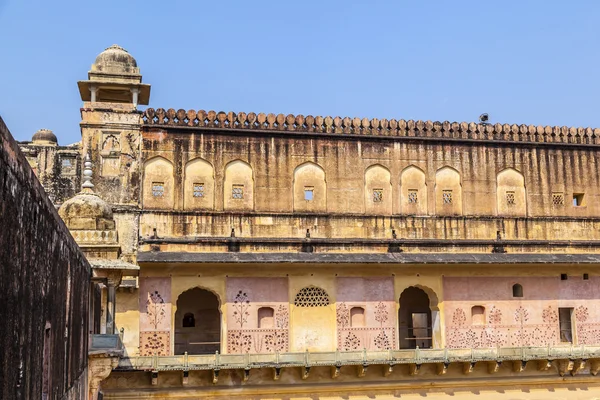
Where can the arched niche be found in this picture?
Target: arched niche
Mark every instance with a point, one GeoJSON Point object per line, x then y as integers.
{"type": "Point", "coordinates": [158, 188]}
{"type": "Point", "coordinates": [511, 196]}
{"type": "Point", "coordinates": [199, 185]}
{"type": "Point", "coordinates": [378, 190]}
{"type": "Point", "coordinates": [239, 186]}
{"type": "Point", "coordinates": [448, 192]}
{"type": "Point", "coordinates": [413, 191]}
{"type": "Point", "coordinates": [310, 188]}
{"type": "Point", "coordinates": [204, 337]}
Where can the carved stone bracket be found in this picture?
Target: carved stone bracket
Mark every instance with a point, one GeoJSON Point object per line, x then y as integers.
{"type": "Point", "coordinates": [246, 374]}
{"type": "Point", "coordinates": [544, 365]}
{"type": "Point", "coordinates": [468, 367]}
{"type": "Point", "coordinates": [388, 369]}
{"type": "Point", "coordinates": [494, 366]}
{"type": "Point", "coordinates": [519, 365]}
{"type": "Point", "coordinates": [215, 376]}
{"type": "Point", "coordinates": [594, 366]}
{"type": "Point", "coordinates": [305, 372]}
{"type": "Point", "coordinates": [276, 373]}
{"type": "Point", "coordinates": [564, 366]}
{"type": "Point", "coordinates": [414, 369]}
{"type": "Point", "coordinates": [184, 378]}
{"type": "Point", "coordinates": [362, 370]}
{"type": "Point", "coordinates": [442, 368]}
{"type": "Point", "coordinates": [154, 378]}
{"type": "Point", "coordinates": [99, 368]}
{"type": "Point", "coordinates": [578, 365]}
{"type": "Point", "coordinates": [335, 371]}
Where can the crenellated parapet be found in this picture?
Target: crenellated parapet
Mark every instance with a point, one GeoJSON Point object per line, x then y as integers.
{"type": "Point", "coordinates": [373, 127]}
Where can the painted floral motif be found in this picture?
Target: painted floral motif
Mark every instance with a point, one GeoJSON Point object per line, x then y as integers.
{"type": "Point", "coordinates": [282, 317]}
{"type": "Point", "coordinates": [239, 342]}
{"type": "Point", "coordinates": [276, 341]}
{"type": "Point", "coordinates": [156, 309]}
{"type": "Point", "coordinates": [241, 304]}
{"type": "Point", "coordinates": [459, 318]}
{"type": "Point", "coordinates": [154, 343]}
{"type": "Point", "coordinates": [521, 315]}
{"type": "Point", "coordinates": [549, 315]}
{"type": "Point", "coordinates": [581, 314]}
{"type": "Point", "coordinates": [382, 341]}
{"type": "Point", "coordinates": [495, 317]}
{"type": "Point", "coordinates": [343, 316]}
{"type": "Point", "coordinates": [381, 313]}
{"type": "Point", "coordinates": [352, 342]}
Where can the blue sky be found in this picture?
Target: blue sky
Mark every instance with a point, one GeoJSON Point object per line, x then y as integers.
{"type": "Point", "coordinates": [533, 62]}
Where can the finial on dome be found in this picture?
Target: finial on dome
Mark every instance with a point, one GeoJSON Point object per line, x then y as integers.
{"type": "Point", "coordinates": [87, 186]}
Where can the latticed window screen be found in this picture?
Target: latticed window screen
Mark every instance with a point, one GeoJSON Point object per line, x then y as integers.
{"type": "Point", "coordinates": [311, 296]}
{"type": "Point", "coordinates": [447, 197]}
{"type": "Point", "coordinates": [413, 196]}
{"type": "Point", "coordinates": [558, 199]}
{"type": "Point", "coordinates": [158, 189]}
{"type": "Point", "coordinates": [198, 189]}
{"type": "Point", "coordinates": [510, 198]}
{"type": "Point", "coordinates": [377, 195]}
{"type": "Point", "coordinates": [237, 192]}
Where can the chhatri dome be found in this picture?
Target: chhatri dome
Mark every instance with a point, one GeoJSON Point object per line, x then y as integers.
{"type": "Point", "coordinates": [114, 78]}
{"type": "Point", "coordinates": [44, 136]}
{"type": "Point", "coordinates": [87, 211]}
{"type": "Point", "coordinates": [116, 60]}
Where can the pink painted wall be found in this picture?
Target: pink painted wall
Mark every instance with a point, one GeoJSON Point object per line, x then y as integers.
{"type": "Point", "coordinates": [376, 297]}
{"type": "Point", "coordinates": [155, 316]}
{"type": "Point", "coordinates": [531, 320]}
{"type": "Point", "coordinates": [245, 296]}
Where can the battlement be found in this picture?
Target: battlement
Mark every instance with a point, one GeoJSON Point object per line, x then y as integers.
{"type": "Point", "coordinates": [373, 127]}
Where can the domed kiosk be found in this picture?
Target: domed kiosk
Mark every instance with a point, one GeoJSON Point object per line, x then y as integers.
{"type": "Point", "coordinates": [115, 78]}
{"type": "Point", "coordinates": [44, 137]}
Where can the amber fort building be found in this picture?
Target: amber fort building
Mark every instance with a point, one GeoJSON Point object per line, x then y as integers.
{"type": "Point", "coordinates": [268, 256]}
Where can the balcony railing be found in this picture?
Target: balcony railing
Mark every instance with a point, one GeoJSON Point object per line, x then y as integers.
{"type": "Point", "coordinates": [338, 358]}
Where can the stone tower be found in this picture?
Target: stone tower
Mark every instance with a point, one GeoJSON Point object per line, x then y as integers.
{"type": "Point", "coordinates": [110, 123]}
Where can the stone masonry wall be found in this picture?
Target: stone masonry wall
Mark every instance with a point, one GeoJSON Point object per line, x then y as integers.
{"type": "Point", "coordinates": [44, 289]}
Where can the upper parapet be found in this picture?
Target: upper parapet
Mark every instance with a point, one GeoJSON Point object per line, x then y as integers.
{"type": "Point", "coordinates": [373, 127]}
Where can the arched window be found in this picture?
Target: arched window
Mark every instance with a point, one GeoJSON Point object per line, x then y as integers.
{"type": "Point", "coordinates": [413, 191]}
{"type": "Point", "coordinates": [478, 315]}
{"type": "Point", "coordinates": [510, 193]}
{"type": "Point", "coordinates": [378, 190]}
{"type": "Point", "coordinates": [311, 296]}
{"type": "Point", "coordinates": [265, 317]}
{"type": "Point", "coordinates": [188, 320]}
{"type": "Point", "coordinates": [310, 188]}
{"type": "Point", "coordinates": [357, 317]}
{"type": "Point", "coordinates": [517, 290]}
{"type": "Point", "coordinates": [238, 186]}
{"type": "Point", "coordinates": [448, 192]}
{"type": "Point", "coordinates": [199, 185]}
{"type": "Point", "coordinates": [158, 184]}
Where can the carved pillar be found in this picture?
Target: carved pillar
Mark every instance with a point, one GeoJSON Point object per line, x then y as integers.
{"type": "Point", "coordinates": [110, 307]}
{"type": "Point", "coordinates": [436, 330]}
{"type": "Point", "coordinates": [93, 92]}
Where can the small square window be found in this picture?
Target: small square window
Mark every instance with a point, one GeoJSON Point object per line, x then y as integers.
{"type": "Point", "coordinates": [577, 199]}
{"type": "Point", "coordinates": [66, 162]}
{"type": "Point", "coordinates": [510, 198]}
{"type": "Point", "coordinates": [413, 196]}
{"type": "Point", "coordinates": [558, 199]}
{"type": "Point", "coordinates": [586, 277]}
{"type": "Point", "coordinates": [158, 189]}
{"type": "Point", "coordinates": [447, 197]}
{"type": "Point", "coordinates": [237, 192]}
{"type": "Point", "coordinates": [564, 277]}
{"type": "Point", "coordinates": [309, 193]}
{"type": "Point", "coordinates": [377, 195]}
{"type": "Point", "coordinates": [198, 189]}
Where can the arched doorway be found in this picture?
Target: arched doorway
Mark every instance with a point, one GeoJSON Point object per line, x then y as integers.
{"type": "Point", "coordinates": [414, 319]}
{"type": "Point", "coordinates": [197, 322]}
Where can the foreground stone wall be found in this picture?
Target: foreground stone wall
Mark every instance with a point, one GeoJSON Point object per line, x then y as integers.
{"type": "Point", "coordinates": [44, 289]}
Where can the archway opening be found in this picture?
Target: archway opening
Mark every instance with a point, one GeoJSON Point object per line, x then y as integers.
{"type": "Point", "coordinates": [197, 322]}
{"type": "Point", "coordinates": [414, 319]}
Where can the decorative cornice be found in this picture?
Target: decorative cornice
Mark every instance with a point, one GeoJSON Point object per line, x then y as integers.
{"type": "Point", "coordinates": [373, 127]}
